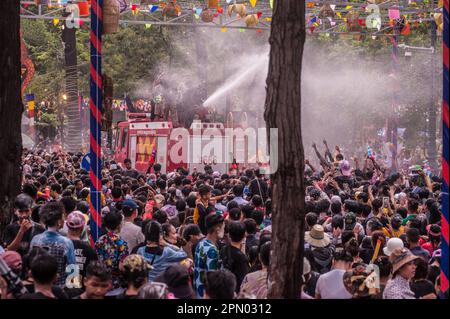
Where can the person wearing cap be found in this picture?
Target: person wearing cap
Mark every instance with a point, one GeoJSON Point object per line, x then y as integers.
{"type": "Point", "coordinates": [134, 273]}
{"type": "Point", "coordinates": [393, 244]}
{"type": "Point", "coordinates": [17, 236]}
{"type": "Point", "coordinates": [403, 270]}
{"type": "Point", "coordinates": [130, 232]}
{"type": "Point", "coordinates": [177, 278]}
{"type": "Point", "coordinates": [84, 253]}
{"type": "Point", "coordinates": [206, 253]}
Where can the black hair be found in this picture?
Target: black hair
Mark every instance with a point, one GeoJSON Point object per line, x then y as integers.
{"type": "Point", "coordinates": [247, 211]}
{"type": "Point", "coordinates": [343, 255]}
{"type": "Point", "coordinates": [413, 205]}
{"type": "Point", "coordinates": [190, 201]}
{"type": "Point", "coordinates": [204, 190]}
{"type": "Point", "coordinates": [235, 214]}
{"type": "Point", "coordinates": [322, 206]}
{"type": "Point", "coordinates": [99, 270]}
{"type": "Point", "coordinates": [250, 226]}
{"type": "Point", "coordinates": [160, 216]}
{"type": "Point", "coordinates": [264, 253]}
{"type": "Point", "coordinates": [30, 190]}
{"type": "Point", "coordinates": [413, 235]}
{"type": "Point", "coordinates": [421, 269]}
{"type": "Point", "coordinates": [112, 219]}
{"type": "Point", "coordinates": [127, 160]}
{"type": "Point", "coordinates": [377, 204]}
{"type": "Point", "coordinates": [311, 219]}
{"type": "Point", "coordinates": [51, 213]}
{"type": "Point", "coordinates": [166, 228]}
{"type": "Point", "coordinates": [191, 230]}
{"type": "Point", "coordinates": [44, 268]}
{"type": "Point", "coordinates": [384, 265]}
{"type": "Point", "coordinates": [84, 193]}
{"type": "Point", "coordinates": [257, 201]}
{"type": "Point", "coordinates": [220, 284]}
{"type": "Point", "coordinates": [56, 188]}
{"type": "Point", "coordinates": [402, 211]}
{"type": "Point", "coordinates": [153, 232]}
{"type": "Point", "coordinates": [336, 208]}
{"type": "Point", "coordinates": [180, 205]}
{"type": "Point", "coordinates": [258, 216]}
{"type": "Point", "coordinates": [232, 204]}
{"type": "Point", "coordinates": [83, 207]}
{"type": "Point", "coordinates": [236, 231]}
{"type": "Point", "coordinates": [337, 221]}
{"type": "Point", "coordinates": [238, 190]}
{"type": "Point", "coordinates": [69, 204]}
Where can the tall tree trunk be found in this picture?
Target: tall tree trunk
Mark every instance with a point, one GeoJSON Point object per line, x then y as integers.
{"type": "Point", "coordinates": [11, 107]}
{"type": "Point", "coordinates": [283, 111]}
{"type": "Point", "coordinates": [73, 113]}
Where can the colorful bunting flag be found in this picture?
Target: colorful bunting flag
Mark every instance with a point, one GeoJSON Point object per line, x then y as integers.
{"type": "Point", "coordinates": [253, 3]}
{"type": "Point", "coordinates": [153, 8]}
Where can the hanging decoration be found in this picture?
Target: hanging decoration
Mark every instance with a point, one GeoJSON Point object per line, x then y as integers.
{"type": "Point", "coordinates": [153, 8]}
{"type": "Point", "coordinates": [213, 4]}
{"type": "Point", "coordinates": [207, 15]}
{"type": "Point", "coordinates": [252, 19]}
{"type": "Point", "coordinates": [55, 22]}
{"type": "Point", "coordinates": [253, 3]}
{"type": "Point", "coordinates": [172, 9]}
{"type": "Point", "coordinates": [134, 9]}
{"type": "Point", "coordinates": [271, 4]}
{"type": "Point", "coordinates": [223, 30]}
{"type": "Point", "coordinates": [148, 25]}
{"type": "Point", "coordinates": [240, 9]}
{"type": "Point", "coordinates": [326, 11]}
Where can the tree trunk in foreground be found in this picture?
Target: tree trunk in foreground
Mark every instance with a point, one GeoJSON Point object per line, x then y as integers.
{"type": "Point", "coordinates": [11, 107]}
{"type": "Point", "coordinates": [283, 111]}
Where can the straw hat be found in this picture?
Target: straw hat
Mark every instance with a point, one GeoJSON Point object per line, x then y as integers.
{"type": "Point", "coordinates": [316, 237]}
{"type": "Point", "coordinates": [400, 257]}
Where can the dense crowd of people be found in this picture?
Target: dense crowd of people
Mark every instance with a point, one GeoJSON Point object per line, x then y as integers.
{"type": "Point", "coordinates": [370, 233]}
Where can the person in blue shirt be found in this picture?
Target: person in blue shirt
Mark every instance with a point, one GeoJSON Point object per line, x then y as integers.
{"type": "Point", "coordinates": [51, 240]}
{"type": "Point", "coordinates": [157, 252]}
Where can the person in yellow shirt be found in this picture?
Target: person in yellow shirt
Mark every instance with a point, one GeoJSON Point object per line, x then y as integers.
{"type": "Point", "coordinates": [395, 227]}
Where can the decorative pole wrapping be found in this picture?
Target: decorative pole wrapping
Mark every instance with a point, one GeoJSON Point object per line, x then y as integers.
{"type": "Point", "coordinates": [445, 203]}
{"type": "Point", "coordinates": [96, 117]}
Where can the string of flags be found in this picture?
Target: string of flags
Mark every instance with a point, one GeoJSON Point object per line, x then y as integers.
{"type": "Point", "coordinates": [354, 18]}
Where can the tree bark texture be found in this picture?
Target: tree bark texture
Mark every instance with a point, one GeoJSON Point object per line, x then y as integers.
{"type": "Point", "coordinates": [283, 111]}
{"type": "Point", "coordinates": [11, 107]}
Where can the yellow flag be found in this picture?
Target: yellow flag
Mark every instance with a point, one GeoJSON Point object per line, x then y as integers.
{"type": "Point", "coordinates": [55, 22]}
{"type": "Point", "coordinates": [348, 7]}
{"type": "Point", "coordinates": [253, 3]}
{"type": "Point", "coordinates": [339, 14]}
{"type": "Point", "coordinates": [223, 30]}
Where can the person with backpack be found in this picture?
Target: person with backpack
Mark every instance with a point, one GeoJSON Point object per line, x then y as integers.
{"type": "Point", "coordinates": [319, 249]}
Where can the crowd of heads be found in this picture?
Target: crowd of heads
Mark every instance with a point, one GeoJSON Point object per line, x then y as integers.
{"type": "Point", "coordinates": [207, 234]}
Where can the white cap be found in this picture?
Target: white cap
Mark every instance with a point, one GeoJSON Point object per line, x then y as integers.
{"type": "Point", "coordinates": [392, 245]}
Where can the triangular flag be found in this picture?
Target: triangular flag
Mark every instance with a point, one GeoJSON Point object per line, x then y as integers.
{"type": "Point", "coordinates": [198, 11]}
{"type": "Point", "coordinates": [253, 3]}
{"type": "Point", "coordinates": [196, 16]}
{"type": "Point", "coordinates": [228, 1]}
{"type": "Point", "coordinates": [406, 30]}
{"type": "Point", "coordinates": [339, 14]}
{"type": "Point", "coordinates": [148, 25]}
{"type": "Point", "coordinates": [348, 7]}
{"type": "Point", "coordinates": [55, 22]}
{"type": "Point", "coordinates": [332, 6]}
{"type": "Point", "coordinates": [271, 4]}
{"type": "Point", "coordinates": [153, 8]}
{"type": "Point", "coordinates": [241, 30]}
{"type": "Point", "coordinates": [223, 30]}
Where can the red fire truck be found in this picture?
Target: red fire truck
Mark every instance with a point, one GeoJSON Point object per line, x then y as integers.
{"type": "Point", "coordinates": [144, 142]}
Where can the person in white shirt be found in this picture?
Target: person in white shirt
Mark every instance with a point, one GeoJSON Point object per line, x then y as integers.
{"type": "Point", "coordinates": [330, 285]}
